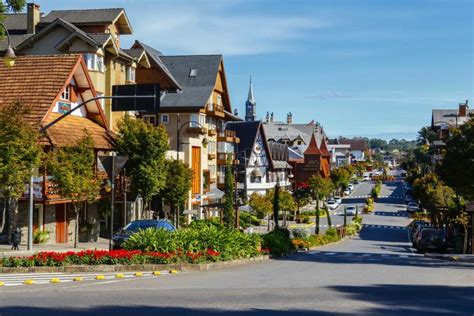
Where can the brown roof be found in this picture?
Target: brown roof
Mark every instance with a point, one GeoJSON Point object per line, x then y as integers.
{"type": "Point", "coordinates": [312, 147]}
{"type": "Point", "coordinates": [324, 149]}
{"type": "Point", "coordinates": [70, 130]}
{"type": "Point", "coordinates": [35, 81]}
{"type": "Point", "coordinates": [356, 143]}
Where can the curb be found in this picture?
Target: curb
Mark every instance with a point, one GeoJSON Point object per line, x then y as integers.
{"type": "Point", "coordinates": [135, 267]}
{"type": "Point", "coordinates": [449, 258]}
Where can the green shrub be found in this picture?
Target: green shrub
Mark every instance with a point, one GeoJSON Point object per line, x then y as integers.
{"type": "Point", "coordinates": [300, 233]}
{"type": "Point", "coordinates": [247, 219]}
{"type": "Point", "coordinates": [357, 219]}
{"type": "Point", "coordinates": [278, 242]}
{"type": "Point", "coordinates": [332, 232]}
{"type": "Point", "coordinates": [40, 236]}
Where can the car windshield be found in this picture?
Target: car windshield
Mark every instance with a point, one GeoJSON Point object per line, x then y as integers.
{"type": "Point", "coordinates": [431, 233]}
{"type": "Point", "coordinates": [351, 208]}
{"type": "Point", "coordinates": [134, 226]}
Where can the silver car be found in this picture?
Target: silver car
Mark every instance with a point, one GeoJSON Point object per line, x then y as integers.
{"type": "Point", "coordinates": [351, 210]}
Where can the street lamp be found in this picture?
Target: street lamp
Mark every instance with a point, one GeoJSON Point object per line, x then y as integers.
{"type": "Point", "coordinates": [204, 142]}
{"type": "Point", "coordinates": [9, 57]}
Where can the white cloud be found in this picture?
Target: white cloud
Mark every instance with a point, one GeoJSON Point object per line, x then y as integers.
{"type": "Point", "coordinates": [203, 28]}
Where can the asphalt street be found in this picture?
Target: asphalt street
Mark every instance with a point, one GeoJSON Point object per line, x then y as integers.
{"type": "Point", "coordinates": [376, 273]}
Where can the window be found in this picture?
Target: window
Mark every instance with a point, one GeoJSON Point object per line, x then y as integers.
{"type": "Point", "coordinates": [193, 73]}
{"type": "Point", "coordinates": [165, 119]}
{"type": "Point", "coordinates": [195, 119]}
{"type": "Point", "coordinates": [206, 174]}
{"type": "Point", "coordinates": [149, 119]}
{"type": "Point", "coordinates": [211, 147]}
{"type": "Point", "coordinates": [66, 95]}
{"type": "Point", "coordinates": [256, 176]}
{"type": "Point", "coordinates": [94, 62]}
{"type": "Point", "coordinates": [212, 170]}
{"type": "Point", "coordinates": [131, 74]}
{"type": "Point", "coordinates": [219, 99]}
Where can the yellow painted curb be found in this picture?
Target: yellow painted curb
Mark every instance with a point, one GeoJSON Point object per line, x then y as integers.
{"type": "Point", "coordinates": [100, 277]}
{"type": "Point", "coordinates": [55, 280]}
{"type": "Point", "coordinates": [138, 274]}
{"type": "Point", "coordinates": [173, 271]}
{"type": "Point", "coordinates": [78, 279]}
{"type": "Point", "coordinates": [156, 273]}
{"type": "Point", "coordinates": [29, 282]}
{"type": "Point", "coordinates": [120, 275]}
{"type": "Point", "coordinates": [2, 283]}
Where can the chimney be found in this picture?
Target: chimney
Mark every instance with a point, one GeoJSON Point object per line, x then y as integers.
{"type": "Point", "coordinates": [236, 113]}
{"type": "Point", "coordinates": [271, 117]}
{"type": "Point", "coordinates": [267, 119]}
{"type": "Point", "coordinates": [463, 107]}
{"type": "Point", "coordinates": [289, 118]}
{"type": "Point", "coordinates": [32, 17]}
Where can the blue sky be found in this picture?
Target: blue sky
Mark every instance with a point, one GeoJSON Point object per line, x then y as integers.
{"type": "Point", "coordinates": [361, 68]}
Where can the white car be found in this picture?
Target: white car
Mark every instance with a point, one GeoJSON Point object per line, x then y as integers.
{"type": "Point", "coordinates": [332, 205]}
{"type": "Point", "coordinates": [351, 210]}
{"type": "Point", "coordinates": [413, 207]}
{"type": "Point", "coordinates": [351, 187]}
{"type": "Point", "coordinates": [347, 192]}
{"type": "Point", "coordinates": [366, 178]}
{"type": "Point", "coordinates": [338, 199]}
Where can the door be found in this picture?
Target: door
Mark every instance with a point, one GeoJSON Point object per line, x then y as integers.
{"type": "Point", "coordinates": [61, 224]}
{"type": "Point", "coordinates": [196, 166]}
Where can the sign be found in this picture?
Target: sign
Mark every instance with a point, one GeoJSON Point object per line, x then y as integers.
{"type": "Point", "coordinates": [37, 187]}
{"type": "Point", "coordinates": [104, 164]}
{"type": "Point", "coordinates": [136, 97]}
{"type": "Point", "coordinates": [63, 107]}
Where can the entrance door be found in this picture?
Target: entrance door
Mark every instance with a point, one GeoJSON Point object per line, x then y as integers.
{"type": "Point", "coordinates": [61, 224]}
{"type": "Point", "coordinates": [196, 166]}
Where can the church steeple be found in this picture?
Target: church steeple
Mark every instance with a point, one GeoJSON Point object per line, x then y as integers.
{"type": "Point", "coordinates": [250, 105]}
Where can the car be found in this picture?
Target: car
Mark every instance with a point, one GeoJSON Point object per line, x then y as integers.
{"type": "Point", "coordinates": [338, 199]}
{"type": "Point", "coordinates": [431, 239]}
{"type": "Point", "coordinates": [332, 205]}
{"type": "Point", "coordinates": [416, 232]}
{"type": "Point", "coordinates": [347, 191]}
{"type": "Point", "coordinates": [413, 207]}
{"type": "Point", "coordinates": [351, 210]}
{"type": "Point", "coordinates": [355, 182]}
{"type": "Point", "coordinates": [120, 237]}
{"type": "Point", "coordinates": [366, 178]}
{"type": "Point", "coordinates": [416, 223]}
{"type": "Point", "coordinates": [351, 186]}
{"type": "Point", "coordinates": [409, 198]}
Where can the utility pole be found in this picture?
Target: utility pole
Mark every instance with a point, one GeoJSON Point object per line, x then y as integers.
{"type": "Point", "coordinates": [112, 203]}
{"type": "Point", "coordinates": [124, 197]}
{"type": "Point", "coordinates": [30, 215]}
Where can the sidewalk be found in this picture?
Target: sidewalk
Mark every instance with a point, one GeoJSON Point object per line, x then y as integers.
{"type": "Point", "coordinates": [5, 250]}
{"type": "Point", "coordinates": [451, 257]}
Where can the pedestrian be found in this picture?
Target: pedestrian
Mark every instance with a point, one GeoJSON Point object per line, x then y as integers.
{"type": "Point", "coordinates": [16, 239]}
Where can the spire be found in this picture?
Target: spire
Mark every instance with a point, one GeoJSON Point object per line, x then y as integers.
{"type": "Point", "coordinates": [251, 98]}
{"type": "Point", "coordinates": [312, 148]}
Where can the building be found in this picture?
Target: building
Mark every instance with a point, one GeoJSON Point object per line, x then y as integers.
{"type": "Point", "coordinates": [52, 85]}
{"type": "Point", "coordinates": [357, 150]}
{"type": "Point", "coordinates": [250, 105]}
{"type": "Point", "coordinates": [94, 33]}
{"type": "Point", "coordinates": [261, 164]}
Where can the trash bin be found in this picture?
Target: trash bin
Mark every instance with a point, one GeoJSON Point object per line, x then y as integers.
{"type": "Point", "coordinates": [16, 239]}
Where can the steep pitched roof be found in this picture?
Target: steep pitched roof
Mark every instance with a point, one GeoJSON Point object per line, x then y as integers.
{"type": "Point", "coordinates": [91, 16]}
{"type": "Point", "coordinates": [196, 89]}
{"type": "Point", "coordinates": [247, 132]}
{"type": "Point", "coordinates": [324, 149]}
{"type": "Point", "coordinates": [312, 148]}
{"type": "Point", "coordinates": [36, 82]}
{"type": "Point", "coordinates": [15, 23]}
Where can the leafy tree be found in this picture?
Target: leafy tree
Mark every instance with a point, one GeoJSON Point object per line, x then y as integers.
{"type": "Point", "coordinates": [340, 177]}
{"type": "Point", "coordinates": [425, 134]}
{"type": "Point", "coordinates": [276, 203]}
{"type": "Point", "coordinates": [19, 155]}
{"type": "Point", "coordinates": [146, 146]}
{"type": "Point", "coordinates": [320, 188]}
{"type": "Point", "coordinates": [229, 196]}
{"type": "Point", "coordinates": [73, 172]}
{"type": "Point", "coordinates": [10, 6]}
{"type": "Point", "coordinates": [457, 166]}
{"type": "Point", "coordinates": [261, 205]}
{"type": "Point", "coordinates": [287, 203]}
{"type": "Point", "coordinates": [178, 183]}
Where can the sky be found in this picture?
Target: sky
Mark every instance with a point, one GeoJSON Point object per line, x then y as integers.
{"type": "Point", "coordinates": [361, 68]}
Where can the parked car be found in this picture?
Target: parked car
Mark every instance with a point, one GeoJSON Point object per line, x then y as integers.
{"type": "Point", "coordinates": [351, 187]}
{"type": "Point", "coordinates": [413, 207]}
{"type": "Point", "coordinates": [409, 198]}
{"type": "Point", "coordinates": [431, 239]}
{"type": "Point", "coordinates": [338, 199]}
{"type": "Point", "coordinates": [351, 210]}
{"type": "Point", "coordinates": [355, 182]}
{"type": "Point", "coordinates": [416, 232]}
{"type": "Point", "coordinates": [332, 205]}
{"type": "Point", "coordinates": [347, 191]}
{"type": "Point", "coordinates": [366, 178]}
{"type": "Point", "coordinates": [415, 224]}
{"type": "Point", "coordinates": [124, 233]}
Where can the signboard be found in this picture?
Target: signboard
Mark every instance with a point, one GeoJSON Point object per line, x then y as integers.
{"type": "Point", "coordinates": [63, 107]}
{"type": "Point", "coordinates": [37, 187]}
{"type": "Point", "coordinates": [136, 97]}
{"type": "Point", "coordinates": [104, 164]}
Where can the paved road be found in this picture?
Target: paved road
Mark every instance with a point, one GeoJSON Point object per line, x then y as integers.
{"type": "Point", "coordinates": [374, 274]}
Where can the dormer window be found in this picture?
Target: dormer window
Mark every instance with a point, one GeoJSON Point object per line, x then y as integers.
{"type": "Point", "coordinates": [193, 72]}
{"type": "Point", "coordinates": [66, 95]}
{"type": "Point", "coordinates": [130, 74]}
{"type": "Point", "coordinates": [94, 62]}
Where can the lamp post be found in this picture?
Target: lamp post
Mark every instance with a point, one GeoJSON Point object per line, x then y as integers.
{"type": "Point", "coordinates": [9, 57]}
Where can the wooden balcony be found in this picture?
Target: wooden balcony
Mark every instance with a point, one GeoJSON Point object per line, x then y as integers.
{"type": "Point", "coordinates": [227, 136]}
{"type": "Point", "coordinates": [211, 156]}
{"type": "Point", "coordinates": [215, 110]}
{"type": "Point", "coordinates": [196, 130]}
{"type": "Point", "coordinates": [211, 132]}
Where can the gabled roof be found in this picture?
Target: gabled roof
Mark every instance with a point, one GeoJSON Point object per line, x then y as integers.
{"type": "Point", "coordinates": [15, 40]}
{"type": "Point", "coordinates": [324, 149]}
{"type": "Point", "coordinates": [356, 143]}
{"type": "Point", "coordinates": [15, 23]}
{"type": "Point", "coordinates": [247, 132]}
{"type": "Point", "coordinates": [154, 56]}
{"type": "Point", "coordinates": [37, 81]}
{"type": "Point", "coordinates": [92, 17]}
{"type": "Point", "coordinates": [279, 155]}
{"type": "Point", "coordinates": [196, 89]}
{"type": "Point", "coordinates": [312, 148]}
{"type": "Point", "coordinates": [450, 117]}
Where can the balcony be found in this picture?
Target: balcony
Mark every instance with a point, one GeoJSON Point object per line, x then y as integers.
{"type": "Point", "coordinates": [196, 130]}
{"type": "Point", "coordinates": [211, 132]}
{"type": "Point", "coordinates": [211, 156]}
{"type": "Point", "coordinates": [227, 136]}
{"type": "Point", "coordinates": [222, 158]}
{"type": "Point", "coordinates": [215, 110]}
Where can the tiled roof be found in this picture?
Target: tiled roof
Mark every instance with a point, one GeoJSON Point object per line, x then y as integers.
{"type": "Point", "coordinates": [324, 149]}
{"type": "Point", "coordinates": [85, 16]}
{"type": "Point", "coordinates": [35, 81]}
{"type": "Point", "coordinates": [356, 143]}
{"type": "Point", "coordinates": [71, 130]}
{"type": "Point", "coordinates": [15, 23]}
{"type": "Point", "coordinates": [312, 148]}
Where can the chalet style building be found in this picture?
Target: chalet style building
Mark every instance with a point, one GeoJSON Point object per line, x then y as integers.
{"type": "Point", "coordinates": [50, 86]}
{"type": "Point", "coordinates": [94, 33]}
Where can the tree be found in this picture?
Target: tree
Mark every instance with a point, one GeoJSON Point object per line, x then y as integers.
{"type": "Point", "coordinates": [14, 6]}
{"type": "Point", "coordinates": [340, 177]}
{"type": "Point", "coordinates": [287, 204]}
{"type": "Point", "coordinates": [178, 183]}
{"type": "Point", "coordinates": [260, 204]}
{"type": "Point", "coordinates": [229, 196]}
{"type": "Point", "coordinates": [425, 135]}
{"type": "Point", "coordinates": [276, 203]}
{"type": "Point", "coordinates": [320, 188]}
{"type": "Point", "coordinates": [146, 146]}
{"type": "Point", "coordinates": [73, 171]}
{"type": "Point", "coordinates": [19, 155]}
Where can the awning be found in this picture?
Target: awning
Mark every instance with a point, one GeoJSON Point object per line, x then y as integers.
{"type": "Point", "coordinates": [215, 194]}
{"type": "Point", "coordinates": [190, 212]}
